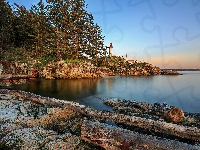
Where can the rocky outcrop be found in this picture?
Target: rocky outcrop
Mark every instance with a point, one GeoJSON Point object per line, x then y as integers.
{"type": "Point", "coordinates": [53, 70]}
{"type": "Point", "coordinates": [27, 125]}
{"type": "Point", "coordinates": [58, 70]}
{"type": "Point", "coordinates": [169, 72]}
{"type": "Point", "coordinates": [136, 69]}
{"type": "Point", "coordinates": [87, 70]}
{"type": "Point", "coordinates": [150, 124]}
{"type": "Point", "coordinates": [17, 72]}
{"type": "Point", "coordinates": [9, 79]}
{"type": "Point", "coordinates": [156, 111]}
{"type": "Point", "coordinates": [83, 69]}
{"type": "Point", "coordinates": [15, 68]}
{"type": "Point", "coordinates": [115, 138]}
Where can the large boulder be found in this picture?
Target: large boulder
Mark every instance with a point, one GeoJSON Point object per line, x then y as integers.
{"type": "Point", "coordinates": [175, 115]}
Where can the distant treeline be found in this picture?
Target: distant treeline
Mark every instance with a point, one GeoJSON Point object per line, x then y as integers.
{"type": "Point", "coordinates": [62, 29]}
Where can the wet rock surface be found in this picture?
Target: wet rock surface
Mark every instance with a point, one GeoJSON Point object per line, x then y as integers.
{"type": "Point", "coordinates": [156, 111]}
{"type": "Point", "coordinates": [163, 114]}
{"type": "Point", "coordinates": [36, 122]}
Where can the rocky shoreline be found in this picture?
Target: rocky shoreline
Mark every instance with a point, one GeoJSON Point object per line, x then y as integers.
{"type": "Point", "coordinates": [27, 125]}
{"type": "Point", "coordinates": [18, 73]}
{"type": "Point", "coordinates": [31, 121]}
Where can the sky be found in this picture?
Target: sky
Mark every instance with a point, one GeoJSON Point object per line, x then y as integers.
{"type": "Point", "coordinates": [165, 33]}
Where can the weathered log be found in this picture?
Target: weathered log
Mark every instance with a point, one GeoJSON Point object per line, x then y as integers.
{"type": "Point", "coordinates": [192, 133]}
{"type": "Point", "coordinates": [114, 138]}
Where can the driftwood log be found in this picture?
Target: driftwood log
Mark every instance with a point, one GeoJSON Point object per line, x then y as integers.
{"type": "Point", "coordinates": [115, 138]}
{"type": "Point", "coordinates": [192, 133]}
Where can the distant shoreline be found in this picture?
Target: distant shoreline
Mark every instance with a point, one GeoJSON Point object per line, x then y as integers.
{"type": "Point", "coordinates": [182, 69]}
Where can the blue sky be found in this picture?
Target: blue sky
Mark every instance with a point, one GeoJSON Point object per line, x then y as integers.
{"type": "Point", "coordinates": [165, 33]}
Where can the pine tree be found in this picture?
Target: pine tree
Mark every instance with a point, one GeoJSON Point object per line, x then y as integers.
{"type": "Point", "coordinates": [61, 28]}
{"type": "Point", "coordinates": [41, 28]}
{"type": "Point", "coordinates": [6, 25]}
{"type": "Point", "coordinates": [75, 34]}
{"type": "Point", "coordinates": [22, 28]}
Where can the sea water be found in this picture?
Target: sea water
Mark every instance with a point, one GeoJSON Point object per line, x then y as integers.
{"type": "Point", "coordinates": [182, 91]}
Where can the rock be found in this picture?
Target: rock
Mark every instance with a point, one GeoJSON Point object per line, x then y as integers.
{"type": "Point", "coordinates": [66, 141]}
{"type": "Point", "coordinates": [169, 72]}
{"type": "Point", "coordinates": [66, 70]}
{"type": "Point", "coordinates": [68, 117]}
{"type": "Point", "coordinates": [1, 69]}
{"type": "Point", "coordinates": [20, 130]}
{"type": "Point", "coordinates": [5, 97]}
{"type": "Point", "coordinates": [9, 79]}
{"type": "Point", "coordinates": [28, 138]}
{"type": "Point", "coordinates": [34, 72]}
{"type": "Point", "coordinates": [114, 138]}
{"type": "Point", "coordinates": [175, 115]}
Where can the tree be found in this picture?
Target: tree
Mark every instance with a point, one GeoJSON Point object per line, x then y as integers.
{"type": "Point", "coordinates": [61, 28]}
{"type": "Point", "coordinates": [42, 29]}
{"type": "Point", "coordinates": [6, 25]}
{"type": "Point", "coordinates": [75, 34]}
{"type": "Point", "coordinates": [22, 27]}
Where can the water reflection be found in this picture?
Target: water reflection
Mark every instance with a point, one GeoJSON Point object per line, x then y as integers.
{"type": "Point", "coordinates": [62, 89]}
{"type": "Point", "coordinates": [180, 91]}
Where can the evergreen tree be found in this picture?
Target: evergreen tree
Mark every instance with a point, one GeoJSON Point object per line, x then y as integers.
{"type": "Point", "coordinates": [61, 28]}
{"type": "Point", "coordinates": [6, 25]}
{"type": "Point", "coordinates": [75, 33]}
{"type": "Point", "coordinates": [41, 28]}
{"type": "Point", "coordinates": [22, 28]}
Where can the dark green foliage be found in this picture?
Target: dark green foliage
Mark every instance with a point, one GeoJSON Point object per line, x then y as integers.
{"type": "Point", "coordinates": [6, 27]}
{"type": "Point", "coordinates": [61, 28]}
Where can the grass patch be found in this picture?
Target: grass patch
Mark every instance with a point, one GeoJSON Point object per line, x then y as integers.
{"type": "Point", "coordinates": [72, 61]}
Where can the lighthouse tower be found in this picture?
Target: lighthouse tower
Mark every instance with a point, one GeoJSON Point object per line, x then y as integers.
{"type": "Point", "coordinates": [110, 49]}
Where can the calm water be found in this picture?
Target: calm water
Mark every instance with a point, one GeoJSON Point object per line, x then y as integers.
{"type": "Point", "coordinates": [181, 91]}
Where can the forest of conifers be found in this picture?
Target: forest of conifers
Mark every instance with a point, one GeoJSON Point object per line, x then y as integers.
{"type": "Point", "coordinates": [60, 29]}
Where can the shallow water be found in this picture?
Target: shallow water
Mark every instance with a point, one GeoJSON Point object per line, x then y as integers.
{"type": "Point", "coordinates": [180, 91]}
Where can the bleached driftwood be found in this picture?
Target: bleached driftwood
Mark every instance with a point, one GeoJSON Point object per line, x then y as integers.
{"type": "Point", "coordinates": [115, 138]}
{"type": "Point", "coordinates": [192, 133]}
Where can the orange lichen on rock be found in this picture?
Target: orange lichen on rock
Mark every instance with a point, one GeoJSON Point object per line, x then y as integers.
{"type": "Point", "coordinates": [54, 115]}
